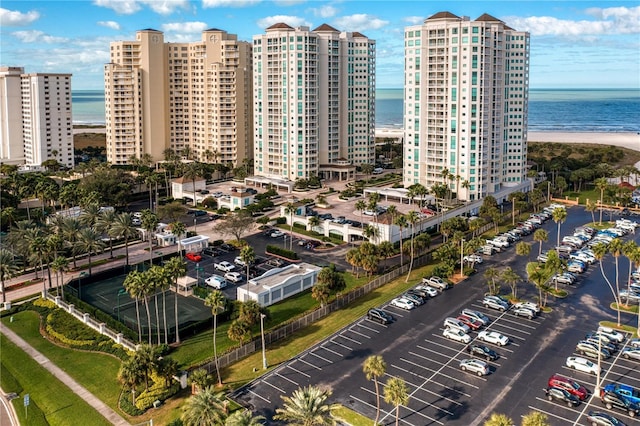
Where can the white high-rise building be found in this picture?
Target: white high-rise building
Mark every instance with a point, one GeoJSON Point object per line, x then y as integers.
{"type": "Point", "coordinates": [314, 102]}
{"type": "Point", "coordinates": [35, 118]}
{"type": "Point", "coordinates": [193, 98]}
{"type": "Point", "coordinates": [465, 104]}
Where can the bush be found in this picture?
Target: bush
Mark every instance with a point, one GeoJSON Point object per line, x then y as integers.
{"type": "Point", "coordinates": [201, 292]}
{"type": "Point", "coordinates": [279, 251]}
{"type": "Point", "coordinates": [126, 405]}
{"type": "Point", "coordinates": [217, 243]}
{"type": "Point", "coordinates": [157, 391]}
{"type": "Point", "coordinates": [281, 220]}
{"type": "Point", "coordinates": [264, 220]}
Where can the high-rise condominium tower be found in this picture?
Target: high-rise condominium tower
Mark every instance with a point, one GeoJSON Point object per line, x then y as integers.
{"type": "Point", "coordinates": [35, 118]}
{"type": "Point", "coordinates": [314, 95]}
{"type": "Point", "coordinates": [465, 104]}
{"type": "Point", "coordinates": [193, 98]}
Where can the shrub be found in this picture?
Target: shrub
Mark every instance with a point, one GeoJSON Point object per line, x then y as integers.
{"type": "Point", "coordinates": [201, 292]}
{"type": "Point", "coordinates": [157, 391]}
{"type": "Point", "coordinates": [217, 243]}
{"type": "Point", "coordinates": [281, 220]}
{"type": "Point", "coordinates": [279, 251]}
{"type": "Point", "coordinates": [44, 303]}
{"type": "Point", "coordinates": [126, 405]}
{"type": "Point", "coordinates": [264, 220]}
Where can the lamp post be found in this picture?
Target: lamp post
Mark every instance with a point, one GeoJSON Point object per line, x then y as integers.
{"type": "Point", "coordinates": [461, 258]}
{"type": "Point", "coordinates": [195, 225]}
{"type": "Point", "coordinates": [596, 391]}
{"type": "Point", "coordinates": [264, 354]}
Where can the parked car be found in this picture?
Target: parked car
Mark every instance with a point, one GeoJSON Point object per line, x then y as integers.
{"type": "Point", "coordinates": [224, 266]}
{"type": "Point", "coordinates": [470, 322]}
{"type": "Point", "coordinates": [598, 418]}
{"type": "Point", "coordinates": [276, 234]}
{"type": "Point", "coordinates": [234, 277]}
{"type": "Point", "coordinates": [612, 400]}
{"type": "Point", "coordinates": [561, 382]}
{"type": "Point", "coordinates": [582, 364]}
{"type": "Point", "coordinates": [194, 257]}
{"type": "Point", "coordinates": [493, 337]}
{"type": "Point", "coordinates": [529, 305]}
{"type": "Point", "coordinates": [210, 251]}
{"type": "Point", "coordinates": [589, 349]}
{"type": "Point", "coordinates": [380, 316]}
{"type": "Point", "coordinates": [482, 351]}
{"type": "Point", "coordinates": [562, 279]}
{"type": "Point", "coordinates": [403, 303]}
{"type": "Point", "coordinates": [437, 283]}
{"type": "Point", "coordinates": [523, 311]}
{"type": "Point", "coordinates": [457, 335]}
{"type": "Point", "coordinates": [473, 258]}
{"type": "Point", "coordinates": [611, 333]}
{"type": "Point", "coordinates": [475, 366]}
{"type": "Point", "coordinates": [624, 390]}
{"type": "Point", "coordinates": [216, 281]}
{"type": "Point", "coordinates": [238, 261]}
{"type": "Point", "coordinates": [557, 394]}
{"type": "Point", "coordinates": [495, 302]}
{"type": "Point", "coordinates": [476, 315]}
{"type": "Point", "coordinates": [634, 343]}
{"type": "Point", "coordinates": [454, 323]}
{"type": "Point", "coordinates": [432, 292]}
{"type": "Point", "coordinates": [415, 299]}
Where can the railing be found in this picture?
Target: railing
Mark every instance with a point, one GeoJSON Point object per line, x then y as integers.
{"type": "Point", "coordinates": [85, 318]}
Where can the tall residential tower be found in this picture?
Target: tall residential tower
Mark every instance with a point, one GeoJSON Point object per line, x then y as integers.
{"type": "Point", "coordinates": [314, 101]}
{"type": "Point", "coordinates": [35, 118]}
{"type": "Point", "coordinates": [194, 98]}
{"type": "Point", "coordinates": [465, 104]}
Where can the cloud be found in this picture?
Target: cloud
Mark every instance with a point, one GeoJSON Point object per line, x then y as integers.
{"type": "Point", "coordinates": [228, 3]}
{"type": "Point", "coordinates": [359, 22]}
{"type": "Point", "coordinates": [129, 7]}
{"type": "Point", "coordinates": [33, 36]}
{"type": "Point", "coordinates": [109, 24]}
{"type": "Point", "coordinates": [325, 11]}
{"type": "Point", "coordinates": [414, 20]}
{"type": "Point", "coordinates": [293, 21]}
{"type": "Point", "coordinates": [14, 18]}
{"type": "Point", "coordinates": [286, 3]}
{"type": "Point", "coordinates": [184, 27]}
{"type": "Point", "coordinates": [608, 21]}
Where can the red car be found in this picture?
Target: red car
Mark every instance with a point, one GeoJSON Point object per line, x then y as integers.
{"type": "Point", "coordinates": [472, 323]}
{"type": "Point", "coordinates": [194, 257]}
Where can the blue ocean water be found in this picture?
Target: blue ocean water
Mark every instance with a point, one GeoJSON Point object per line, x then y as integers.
{"type": "Point", "coordinates": [559, 110]}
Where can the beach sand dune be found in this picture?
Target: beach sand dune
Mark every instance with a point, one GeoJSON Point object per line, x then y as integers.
{"type": "Point", "coordinates": [625, 140]}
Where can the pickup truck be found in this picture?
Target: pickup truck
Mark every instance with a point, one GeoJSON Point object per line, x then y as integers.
{"type": "Point", "coordinates": [625, 391]}
{"type": "Point", "coordinates": [436, 282]}
{"type": "Point", "coordinates": [224, 266]}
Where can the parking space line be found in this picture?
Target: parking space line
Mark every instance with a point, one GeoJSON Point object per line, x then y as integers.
{"type": "Point", "coordinates": [319, 357]}
{"type": "Point", "coordinates": [349, 338]}
{"type": "Point", "coordinates": [511, 329]}
{"type": "Point", "coordinates": [512, 319]}
{"type": "Point", "coordinates": [432, 351]}
{"type": "Point", "coordinates": [333, 352]}
{"type": "Point", "coordinates": [550, 414]}
{"type": "Point", "coordinates": [298, 371]}
{"type": "Point", "coordinates": [275, 387]}
{"type": "Point", "coordinates": [259, 396]}
{"type": "Point", "coordinates": [309, 364]}
{"type": "Point", "coordinates": [340, 344]}
{"type": "Point", "coordinates": [432, 393]}
{"type": "Point", "coordinates": [432, 381]}
{"type": "Point", "coordinates": [443, 365]}
{"type": "Point", "coordinates": [440, 344]}
{"type": "Point", "coordinates": [358, 333]}
{"type": "Point", "coordinates": [360, 324]}
{"type": "Point", "coordinates": [287, 379]}
{"type": "Point", "coordinates": [410, 409]}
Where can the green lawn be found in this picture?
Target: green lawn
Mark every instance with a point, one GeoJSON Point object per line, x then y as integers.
{"type": "Point", "coordinates": [58, 403]}
{"type": "Point", "coordinates": [95, 371]}
{"type": "Point", "coordinates": [584, 195]}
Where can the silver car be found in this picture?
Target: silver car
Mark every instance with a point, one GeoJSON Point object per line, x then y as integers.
{"type": "Point", "coordinates": [475, 366]}
{"type": "Point", "coordinates": [631, 353]}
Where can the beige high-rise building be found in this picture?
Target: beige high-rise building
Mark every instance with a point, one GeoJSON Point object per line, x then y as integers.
{"type": "Point", "coordinates": [194, 98]}
{"type": "Point", "coordinates": [35, 118]}
{"type": "Point", "coordinates": [465, 104]}
{"type": "Point", "coordinates": [314, 101]}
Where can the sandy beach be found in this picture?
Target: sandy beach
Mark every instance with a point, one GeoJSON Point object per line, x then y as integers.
{"type": "Point", "coordinates": [626, 140]}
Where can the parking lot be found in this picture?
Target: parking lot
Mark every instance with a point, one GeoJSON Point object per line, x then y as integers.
{"type": "Point", "coordinates": [415, 350]}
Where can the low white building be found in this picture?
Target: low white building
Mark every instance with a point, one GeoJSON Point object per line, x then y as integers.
{"type": "Point", "coordinates": [194, 244]}
{"type": "Point", "coordinates": [182, 187]}
{"type": "Point", "coordinates": [236, 200]}
{"type": "Point", "coordinates": [279, 283]}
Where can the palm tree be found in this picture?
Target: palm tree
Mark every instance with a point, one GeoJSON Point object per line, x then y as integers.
{"type": "Point", "coordinates": [8, 269]}
{"type": "Point", "coordinates": [37, 246]}
{"type": "Point", "coordinates": [632, 252]}
{"type": "Point", "coordinates": [354, 258]}
{"type": "Point", "coordinates": [130, 375]}
{"type": "Point", "coordinates": [373, 368]}
{"type": "Point", "coordinates": [217, 302]}
{"type": "Point", "coordinates": [89, 242]}
{"type": "Point", "coordinates": [162, 279]}
{"type": "Point", "coordinates": [306, 407]}
{"type": "Point", "coordinates": [401, 222]}
{"type": "Point", "coordinates": [199, 380]}
{"type": "Point", "coordinates": [371, 232]}
{"type": "Point", "coordinates": [535, 418]}
{"type": "Point", "coordinates": [559, 216]}
{"type": "Point", "coordinates": [123, 228]}
{"type": "Point", "coordinates": [600, 250]}
{"type": "Point", "coordinates": [134, 285]}
{"type": "Point", "coordinates": [497, 419]}
{"type": "Point", "coordinates": [176, 267]}
{"type": "Point", "coordinates": [313, 222]}
{"type": "Point", "coordinates": [193, 171]}
{"type": "Point", "coordinates": [538, 278]}
{"type": "Point", "coordinates": [491, 275]}
{"type": "Point", "coordinates": [615, 248]}
{"type": "Point", "coordinates": [602, 184]}
{"type": "Point", "coordinates": [244, 418]}
{"type": "Point", "coordinates": [523, 248]}
{"type": "Point", "coordinates": [591, 207]}
{"type": "Point", "coordinates": [248, 256]}
{"type": "Point", "coordinates": [511, 278]}
{"type": "Point", "coordinates": [104, 223]}
{"type": "Point", "coordinates": [290, 209]}
{"type": "Point", "coordinates": [149, 223]}
{"type": "Point", "coordinates": [361, 206]}
{"type": "Point", "coordinates": [152, 180]}
{"type": "Point", "coordinates": [60, 265]}
{"type": "Point", "coordinates": [70, 230]}
{"type": "Point", "coordinates": [395, 392]}
{"type": "Point", "coordinates": [205, 408]}
{"type": "Point", "coordinates": [178, 229]}
{"type": "Point", "coordinates": [412, 219]}
{"type": "Point", "coordinates": [540, 236]}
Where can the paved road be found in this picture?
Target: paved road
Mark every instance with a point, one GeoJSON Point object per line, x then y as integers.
{"type": "Point", "coordinates": [8, 416]}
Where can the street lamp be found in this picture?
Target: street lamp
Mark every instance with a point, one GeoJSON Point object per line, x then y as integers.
{"type": "Point", "coordinates": [597, 389]}
{"type": "Point", "coordinates": [195, 225]}
{"type": "Point", "coordinates": [461, 258]}
{"type": "Point", "coordinates": [264, 354]}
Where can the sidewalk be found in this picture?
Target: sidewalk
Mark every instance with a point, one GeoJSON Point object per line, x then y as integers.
{"type": "Point", "coordinates": [79, 390]}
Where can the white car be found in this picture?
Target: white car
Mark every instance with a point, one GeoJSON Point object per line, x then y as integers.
{"type": "Point", "coordinates": [582, 364]}
{"type": "Point", "coordinates": [402, 303]}
{"type": "Point", "coordinates": [224, 266]}
{"type": "Point", "coordinates": [234, 277]}
{"type": "Point", "coordinates": [493, 337]}
{"type": "Point", "coordinates": [476, 366]}
{"type": "Point", "coordinates": [432, 292]}
{"type": "Point", "coordinates": [457, 335]}
{"type": "Point", "coordinates": [277, 234]}
{"type": "Point", "coordinates": [238, 261]}
{"type": "Point", "coordinates": [611, 334]}
{"type": "Point", "coordinates": [216, 281]}
{"type": "Point", "coordinates": [529, 305]}
{"type": "Point", "coordinates": [473, 258]}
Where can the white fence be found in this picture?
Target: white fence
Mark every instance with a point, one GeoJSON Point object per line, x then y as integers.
{"type": "Point", "coordinates": [85, 318]}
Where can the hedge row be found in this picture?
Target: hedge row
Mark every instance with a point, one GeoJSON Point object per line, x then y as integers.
{"type": "Point", "coordinates": [279, 251]}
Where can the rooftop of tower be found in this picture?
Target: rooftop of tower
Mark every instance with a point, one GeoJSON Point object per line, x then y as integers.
{"type": "Point", "coordinates": [326, 27]}
{"type": "Point", "coordinates": [443, 15]}
{"type": "Point", "coordinates": [280, 26]}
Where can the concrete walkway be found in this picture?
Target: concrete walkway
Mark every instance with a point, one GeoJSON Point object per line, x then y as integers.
{"type": "Point", "coordinates": [79, 390]}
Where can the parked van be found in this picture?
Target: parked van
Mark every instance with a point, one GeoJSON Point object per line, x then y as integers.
{"type": "Point", "coordinates": [455, 324]}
